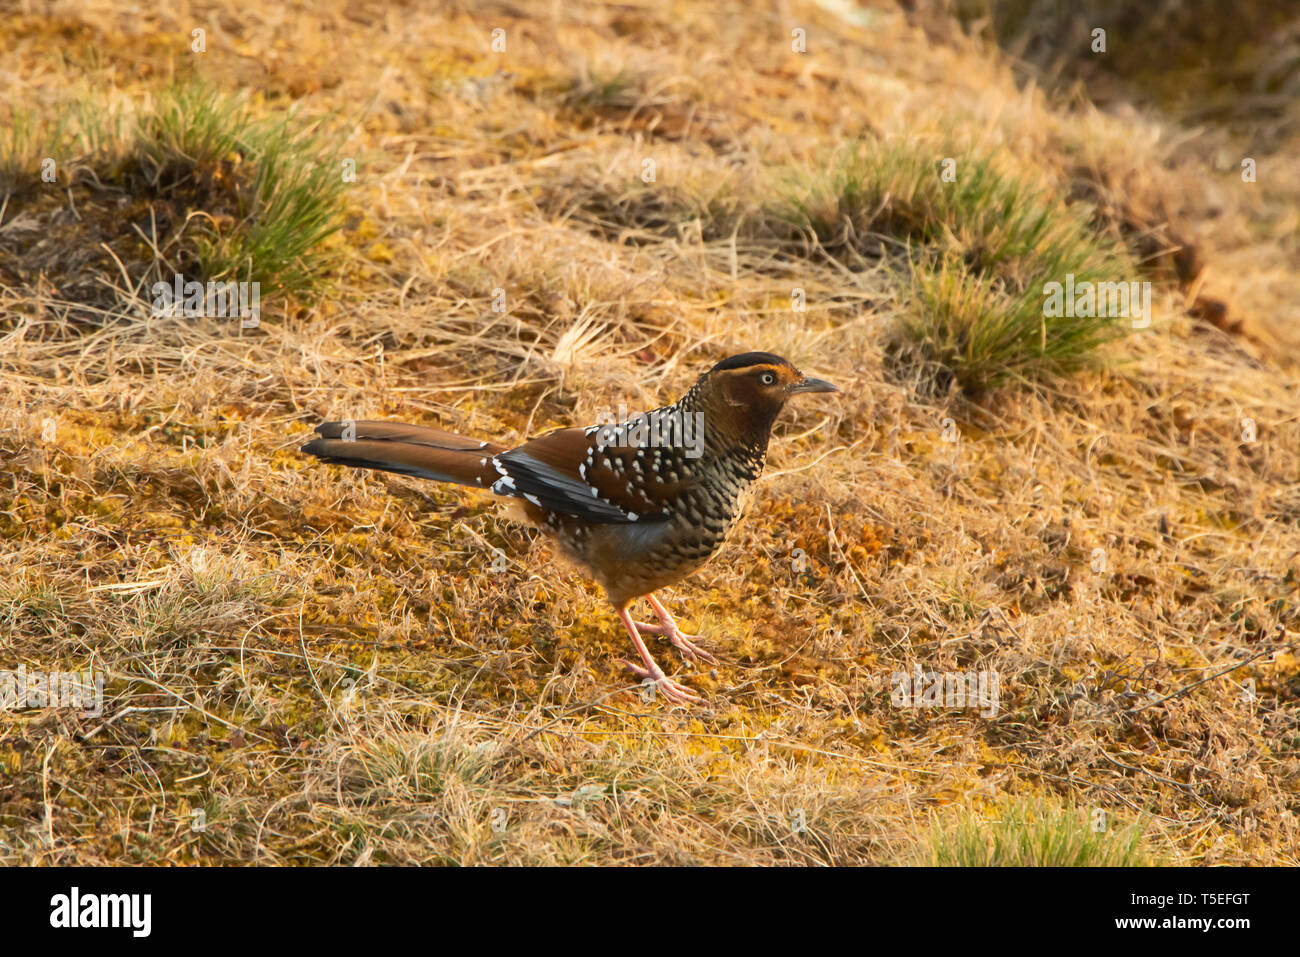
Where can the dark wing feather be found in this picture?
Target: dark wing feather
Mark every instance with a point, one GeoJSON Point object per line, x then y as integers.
{"type": "Point", "coordinates": [575, 472]}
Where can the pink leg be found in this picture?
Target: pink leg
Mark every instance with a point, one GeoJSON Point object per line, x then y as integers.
{"type": "Point", "coordinates": [668, 628]}
{"type": "Point", "coordinates": [671, 689]}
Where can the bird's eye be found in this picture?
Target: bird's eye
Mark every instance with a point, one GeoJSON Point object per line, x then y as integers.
{"type": "Point", "coordinates": [767, 378]}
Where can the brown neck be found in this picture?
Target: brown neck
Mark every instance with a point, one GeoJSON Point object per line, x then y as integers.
{"type": "Point", "coordinates": [729, 428]}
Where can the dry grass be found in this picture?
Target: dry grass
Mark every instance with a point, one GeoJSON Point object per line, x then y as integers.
{"type": "Point", "coordinates": [333, 667]}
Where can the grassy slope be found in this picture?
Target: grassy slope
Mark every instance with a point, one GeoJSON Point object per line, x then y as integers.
{"type": "Point", "coordinates": [328, 665]}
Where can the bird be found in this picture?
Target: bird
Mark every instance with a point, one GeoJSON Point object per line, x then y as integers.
{"type": "Point", "coordinates": [639, 504]}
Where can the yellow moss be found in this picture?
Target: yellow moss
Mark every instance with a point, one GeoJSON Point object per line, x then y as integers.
{"type": "Point", "coordinates": [380, 253]}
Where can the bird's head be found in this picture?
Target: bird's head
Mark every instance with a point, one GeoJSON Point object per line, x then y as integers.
{"type": "Point", "coordinates": [749, 390]}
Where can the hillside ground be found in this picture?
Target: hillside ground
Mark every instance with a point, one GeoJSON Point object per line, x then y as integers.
{"type": "Point", "coordinates": [308, 665]}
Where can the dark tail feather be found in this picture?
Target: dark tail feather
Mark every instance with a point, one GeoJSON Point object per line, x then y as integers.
{"type": "Point", "coordinates": [407, 450]}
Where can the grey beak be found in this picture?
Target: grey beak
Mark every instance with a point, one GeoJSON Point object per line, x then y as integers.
{"type": "Point", "coordinates": [809, 384]}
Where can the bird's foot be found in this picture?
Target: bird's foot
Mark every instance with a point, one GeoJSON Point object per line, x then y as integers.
{"type": "Point", "coordinates": [671, 690]}
{"type": "Point", "coordinates": [681, 641]}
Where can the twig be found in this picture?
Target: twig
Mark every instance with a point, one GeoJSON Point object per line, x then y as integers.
{"type": "Point", "coordinates": [1186, 688]}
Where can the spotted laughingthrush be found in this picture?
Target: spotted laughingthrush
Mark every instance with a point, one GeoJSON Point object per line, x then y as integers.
{"type": "Point", "coordinates": [640, 504]}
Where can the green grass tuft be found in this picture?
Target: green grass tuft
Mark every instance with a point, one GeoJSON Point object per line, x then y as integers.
{"type": "Point", "coordinates": [24, 143]}
{"type": "Point", "coordinates": [243, 198]}
{"type": "Point", "coordinates": [979, 250]}
{"type": "Point", "coordinates": [595, 88]}
{"type": "Point", "coordinates": [1033, 834]}
{"type": "Point", "coordinates": [286, 179]}
{"type": "Point", "coordinates": [191, 125]}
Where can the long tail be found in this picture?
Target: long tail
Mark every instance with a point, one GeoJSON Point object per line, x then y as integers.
{"type": "Point", "coordinates": [407, 450]}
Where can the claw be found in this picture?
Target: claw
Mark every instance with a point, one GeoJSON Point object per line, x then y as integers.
{"type": "Point", "coordinates": [668, 628]}
{"type": "Point", "coordinates": [670, 689]}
